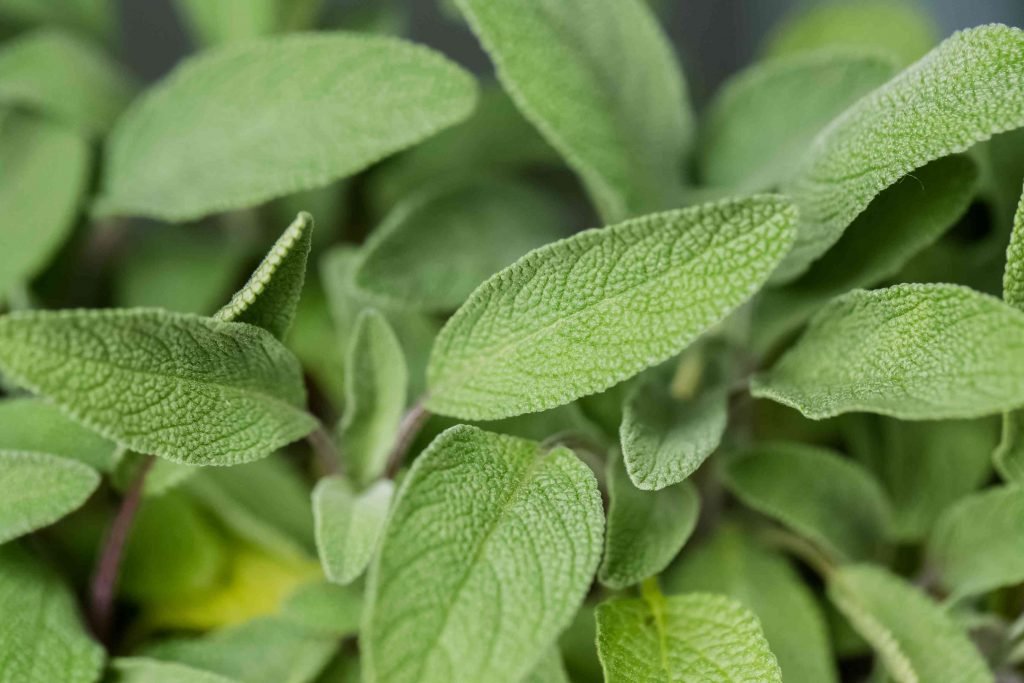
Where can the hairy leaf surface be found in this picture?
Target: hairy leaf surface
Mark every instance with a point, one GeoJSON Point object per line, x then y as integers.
{"type": "Point", "coordinates": [349, 525]}
{"type": "Point", "coordinates": [37, 489]}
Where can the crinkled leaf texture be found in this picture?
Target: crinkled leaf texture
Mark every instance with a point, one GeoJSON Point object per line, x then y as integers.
{"type": "Point", "coordinates": [582, 314]}
{"type": "Point", "coordinates": [963, 92]}
{"type": "Point", "coordinates": [914, 352]}
{"type": "Point", "coordinates": [37, 489]}
{"type": "Point", "coordinates": [599, 79]}
{"type": "Point", "coordinates": [917, 640]}
{"type": "Point", "coordinates": [682, 639]}
{"type": "Point", "coordinates": [30, 424]}
{"type": "Point", "coordinates": [349, 525]}
{"type": "Point", "coordinates": [491, 546]}
{"type": "Point", "coordinates": [146, 670]}
{"type": "Point", "coordinates": [42, 639]}
{"type": "Point", "coordinates": [189, 389]}
{"type": "Point", "coordinates": [313, 112]}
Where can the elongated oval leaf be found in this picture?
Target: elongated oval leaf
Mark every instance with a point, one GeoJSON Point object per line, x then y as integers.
{"type": "Point", "coordinates": [146, 670]}
{"type": "Point", "coordinates": [966, 90]}
{"type": "Point", "coordinates": [186, 388]}
{"type": "Point", "coordinates": [349, 525]}
{"type": "Point", "coordinates": [916, 639]}
{"type": "Point", "coordinates": [577, 316]}
{"type": "Point", "coordinates": [599, 80]}
{"type": "Point", "coordinates": [490, 549]}
{"type": "Point", "coordinates": [909, 351]}
{"type": "Point", "coordinates": [313, 112]}
{"type": "Point", "coordinates": [37, 489]}
{"type": "Point", "coordinates": [29, 424]}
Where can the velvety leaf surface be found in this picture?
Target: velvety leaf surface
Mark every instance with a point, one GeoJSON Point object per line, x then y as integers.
{"type": "Point", "coordinates": [37, 489]}
{"type": "Point", "coordinates": [29, 424]}
{"type": "Point", "coordinates": [146, 670]}
{"type": "Point", "coordinates": [580, 315]}
{"type": "Point", "coordinates": [349, 525]}
{"type": "Point", "coordinates": [491, 546]}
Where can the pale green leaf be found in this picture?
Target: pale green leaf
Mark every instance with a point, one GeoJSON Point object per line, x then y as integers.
{"type": "Point", "coordinates": [646, 529]}
{"type": "Point", "coordinates": [831, 500]}
{"type": "Point", "coordinates": [599, 79]}
{"type": "Point", "coordinates": [42, 638]}
{"type": "Point", "coordinates": [764, 582]}
{"type": "Point", "coordinates": [96, 18]}
{"type": "Point", "coordinates": [917, 640]}
{"type": "Point", "coordinates": [271, 295]}
{"type": "Point", "coordinates": [43, 176]}
{"type": "Point", "coordinates": [490, 549]}
{"type": "Point", "coordinates": [434, 248]}
{"type": "Point", "coordinates": [550, 669]}
{"type": "Point", "coordinates": [911, 351]}
{"type": "Point", "coordinates": [375, 386]}
{"type": "Point", "coordinates": [683, 638]}
{"type": "Point", "coordinates": [602, 306]}
{"type": "Point", "coordinates": [28, 424]}
{"type": "Point", "coordinates": [1008, 456]}
{"type": "Point", "coordinates": [146, 670]}
{"type": "Point", "coordinates": [966, 90]}
{"type": "Point", "coordinates": [64, 76]}
{"type": "Point", "coordinates": [37, 489]}
{"type": "Point", "coordinates": [349, 525]}
{"type": "Point", "coordinates": [189, 389]}
{"type": "Point", "coordinates": [179, 153]}
{"type": "Point", "coordinates": [978, 544]}
{"type": "Point", "coordinates": [219, 22]}
{"type": "Point", "coordinates": [754, 138]}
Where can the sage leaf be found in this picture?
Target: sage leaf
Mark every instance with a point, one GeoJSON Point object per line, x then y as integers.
{"type": "Point", "coordinates": [915, 638]}
{"type": "Point", "coordinates": [606, 92]}
{"type": "Point", "coordinates": [910, 351]}
{"type": "Point", "coordinates": [963, 92]}
{"type": "Point", "coordinates": [271, 295]}
{"type": "Point", "coordinates": [349, 525]}
{"type": "Point", "coordinates": [43, 638]}
{"type": "Point", "coordinates": [550, 669]}
{"type": "Point", "coordinates": [577, 316]}
{"type": "Point", "coordinates": [189, 389]}
{"type": "Point", "coordinates": [38, 489]}
{"type": "Point", "coordinates": [831, 500]}
{"type": "Point", "coordinates": [491, 546]}
{"type": "Point", "coordinates": [174, 154]}
{"type": "Point", "coordinates": [699, 637]}
{"type": "Point", "coordinates": [1013, 275]}
{"type": "Point", "coordinates": [29, 424]}
{"type": "Point", "coordinates": [646, 529]}
{"type": "Point", "coordinates": [146, 670]}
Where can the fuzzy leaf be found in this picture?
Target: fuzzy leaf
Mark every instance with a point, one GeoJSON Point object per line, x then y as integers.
{"type": "Point", "coordinates": [189, 389]}
{"type": "Point", "coordinates": [831, 500]}
{"type": "Point", "coordinates": [599, 79]}
{"type": "Point", "coordinates": [349, 525]}
{"type": "Point", "coordinates": [916, 639]}
{"type": "Point", "coordinates": [42, 639]}
{"type": "Point", "coordinates": [175, 153]}
{"type": "Point", "coordinates": [963, 92]}
{"type": "Point", "coordinates": [28, 424]}
{"type": "Point", "coordinates": [490, 549]}
{"type": "Point", "coordinates": [44, 173]}
{"type": "Point", "coordinates": [577, 316]}
{"type": "Point", "coordinates": [646, 529]}
{"type": "Point", "coordinates": [271, 295]}
{"type": "Point", "coordinates": [681, 638]}
{"type": "Point", "coordinates": [433, 250]}
{"type": "Point", "coordinates": [375, 384]}
{"type": "Point", "coordinates": [146, 670]}
{"type": "Point", "coordinates": [37, 489]}
{"type": "Point", "coordinates": [909, 351]}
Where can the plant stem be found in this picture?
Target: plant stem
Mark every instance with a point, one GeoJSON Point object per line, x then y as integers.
{"type": "Point", "coordinates": [408, 428]}
{"type": "Point", "coordinates": [326, 452]}
{"type": "Point", "coordinates": [108, 566]}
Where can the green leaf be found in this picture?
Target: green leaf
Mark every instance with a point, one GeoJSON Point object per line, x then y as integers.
{"type": "Point", "coordinates": [375, 385]}
{"type": "Point", "coordinates": [607, 92]}
{"type": "Point", "coordinates": [963, 92]}
{"type": "Point", "coordinates": [28, 424]}
{"type": "Point", "coordinates": [61, 75]}
{"type": "Point", "coordinates": [176, 153]}
{"type": "Point", "coordinates": [43, 176]}
{"type": "Point", "coordinates": [578, 645]}
{"type": "Point", "coordinates": [911, 351]}
{"type": "Point", "coordinates": [768, 585]}
{"type": "Point", "coordinates": [189, 389]}
{"type": "Point", "coordinates": [682, 638]}
{"type": "Point", "coordinates": [755, 138]}
{"type": "Point", "coordinates": [916, 639]}
{"type": "Point", "coordinates": [434, 248]}
{"type": "Point", "coordinates": [37, 489]}
{"type": "Point", "coordinates": [1008, 456]}
{"type": "Point", "coordinates": [146, 670]}
{"type": "Point", "coordinates": [646, 529]}
{"type": "Point", "coordinates": [349, 525]}
{"type": "Point", "coordinates": [271, 295]}
{"type": "Point", "coordinates": [327, 607]}
{"type": "Point", "coordinates": [1013, 276]}
{"type": "Point", "coordinates": [219, 22]}
{"type": "Point", "coordinates": [602, 306]}
{"type": "Point", "coordinates": [831, 500]}
{"type": "Point", "coordinates": [549, 670]}
{"type": "Point", "coordinates": [490, 549]}
{"type": "Point", "coordinates": [976, 544]}
{"type": "Point", "coordinates": [43, 639]}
